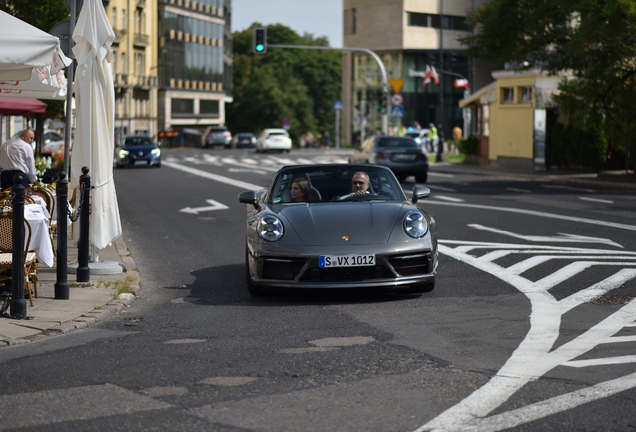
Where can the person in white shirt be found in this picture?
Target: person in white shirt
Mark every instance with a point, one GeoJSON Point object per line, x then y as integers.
{"type": "Point", "coordinates": [16, 158]}
{"type": "Point", "coordinates": [359, 184]}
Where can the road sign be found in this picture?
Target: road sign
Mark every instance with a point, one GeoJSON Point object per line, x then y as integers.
{"type": "Point", "coordinates": [397, 111]}
{"type": "Point", "coordinates": [396, 84]}
{"type": "Point", "coordinates": [396, 99]}
{"type": "Point", "coordinates": [337, 105]}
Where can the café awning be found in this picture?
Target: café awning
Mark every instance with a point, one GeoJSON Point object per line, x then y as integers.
{"type": "Point", "coordinates": [21, 106]}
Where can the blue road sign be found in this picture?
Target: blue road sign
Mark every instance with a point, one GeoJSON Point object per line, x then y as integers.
{"type": "Point", "coordinates": [337, 105]}
{"type": "Point", "coordinates": [397, 111]}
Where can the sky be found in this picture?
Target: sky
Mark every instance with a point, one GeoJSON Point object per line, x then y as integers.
{"type": "Point", "coordinates": [319, 17]}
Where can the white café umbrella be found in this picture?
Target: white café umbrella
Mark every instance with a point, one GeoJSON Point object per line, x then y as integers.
{"type": "Point", "coordinates": [41, 85]}
{"type": "Point", "coordinates": [94, 143]}
{"type": "Point", "coordinates": [24, 47]}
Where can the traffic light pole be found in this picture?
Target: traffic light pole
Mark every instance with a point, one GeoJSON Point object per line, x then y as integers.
{"type": "Point", "coordinates": [385, 80]}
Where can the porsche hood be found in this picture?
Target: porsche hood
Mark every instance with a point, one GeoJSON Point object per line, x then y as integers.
{"type": "Point", "coordinates": [355, 223]}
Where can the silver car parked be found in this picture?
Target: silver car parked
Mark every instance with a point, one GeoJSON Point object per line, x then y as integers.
{"type": "Point", "coordinates": [339, 226]}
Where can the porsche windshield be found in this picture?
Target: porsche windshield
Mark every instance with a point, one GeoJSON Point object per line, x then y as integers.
{"type": "Point", "coordinates": [333, 184]}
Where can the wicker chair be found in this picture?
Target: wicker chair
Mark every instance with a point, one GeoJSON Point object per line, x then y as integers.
{"type": "Point", "coordinates": [6, 253]}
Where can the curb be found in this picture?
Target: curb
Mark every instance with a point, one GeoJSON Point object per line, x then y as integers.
{"type": "Point", "coordinates": [113, 307]}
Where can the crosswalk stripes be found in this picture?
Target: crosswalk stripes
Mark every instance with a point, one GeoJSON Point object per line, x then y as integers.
{"type": "Point", "coordinates": [537, 354]}
{"type": "Point", "coordinates": [269, 162]}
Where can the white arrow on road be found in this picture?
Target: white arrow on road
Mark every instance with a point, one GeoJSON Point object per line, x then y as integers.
{"type": "Point", "coordinates": [561, 238]}
{"type": "Point", "coordinates": [215, 206]}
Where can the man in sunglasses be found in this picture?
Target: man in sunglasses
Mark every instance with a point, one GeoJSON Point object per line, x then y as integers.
{"type": "Point", "coordinates": [359, 185]}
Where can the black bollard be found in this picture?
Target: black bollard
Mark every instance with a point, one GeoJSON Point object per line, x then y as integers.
{"type": "Point", "coordinates": [18, 304]}
{"type": "Point", "coordinates": [83, 270]}
{"type": "Point", "coordinates": [62, 291]}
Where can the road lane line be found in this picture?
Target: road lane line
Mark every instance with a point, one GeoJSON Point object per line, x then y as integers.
{"type": "Point", "coordinates": [447, 198]}
{"type": "Point", "coordinates": [596, 200]}
{"type": "Point", "coordinates": [535, 213]}
{"type": "Point", "coordinates": [519, 190]}
{"type": "Point", "coordinates": [215, 177]}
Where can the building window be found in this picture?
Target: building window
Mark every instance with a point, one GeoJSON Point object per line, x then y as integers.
{"type": "Point", "coordinates": [507, 95]}
{"type": "Point", "coordinates": [525, 95]}
{"type": "Point", "coordinates": [139, 64]}
{"type": "Point", "coordinates": [123, 19]}
{"type": "Point", "coordinates": [447, 22]}
{"type": "Point", "coordinates": [114, 61]}
{"type": "Point", "coordinates": [114, 18]}
{"type": "Point", "coordinates": [123, 63]}
{"type": "Point", "coordinates": [350, 22]}
{"type": "Point", "coordinates": [209, 108]}
{"type": "Point", "coordinates": [182, 107]}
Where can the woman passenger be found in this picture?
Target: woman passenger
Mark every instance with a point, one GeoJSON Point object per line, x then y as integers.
{"type": "Point", "coordinates": [300, 191]}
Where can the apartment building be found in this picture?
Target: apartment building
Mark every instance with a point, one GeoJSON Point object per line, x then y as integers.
{"type": "Point", "coordinates": [195, 66]}
{"type": "Point", "coordinates": [410, 37]}
{"type": "Point", "coordinates": [134, 66]}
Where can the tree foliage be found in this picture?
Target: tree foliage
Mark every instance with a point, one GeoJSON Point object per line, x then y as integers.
{"type": "Point", "coordinates": [296, 84]}
{"type": "Point", "coordinates": [595, 40]}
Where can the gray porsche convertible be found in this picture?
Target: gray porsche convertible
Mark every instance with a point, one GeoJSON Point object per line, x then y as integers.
{"type": "Point", "coordinates": [338, 226]}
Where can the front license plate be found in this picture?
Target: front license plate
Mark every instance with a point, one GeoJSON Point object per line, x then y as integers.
{"type": "Point", "coordinates": [141, 162]}
{"type": "Point", "coordinates": [346, 260]}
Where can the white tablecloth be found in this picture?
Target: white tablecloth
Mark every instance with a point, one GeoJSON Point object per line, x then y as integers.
{"type": "Point", "coordinates": [38, 217]}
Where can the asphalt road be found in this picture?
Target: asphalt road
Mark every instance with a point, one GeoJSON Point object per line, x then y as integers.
{"type": "Point", "coordinates": [530, 326]}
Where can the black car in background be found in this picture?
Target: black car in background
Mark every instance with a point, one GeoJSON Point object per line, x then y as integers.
{"type": "Point", "coordinates": [244, 140]}
{"type": "Point", "coordinates": [138, 151]}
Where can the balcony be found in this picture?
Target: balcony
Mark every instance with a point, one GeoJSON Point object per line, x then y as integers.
{"type": "Point", "coordinates": [146, 82]}
{"type": "Point", "coordinates": [141, 40]}
{"type": "Point", "coordinates": [120, 80]}
{"type": "Point", "coordinates": [141, 4]}
{"type": "Point", "coordinates": [119, 35]}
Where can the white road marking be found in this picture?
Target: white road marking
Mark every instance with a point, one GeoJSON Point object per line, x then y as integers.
{"type": "Point", "coordinates": [228, 381]}
{"type": "Point", "coordinates": [536, 213]}
{"type": "Point", "coordinates": [567, 188]}
{"type": "Point", "coordinates": [436, 174]}
{"type": "Point", "coordinates": [565, 238]}
{"type": "Point", "coordinates": [447, 198]}
{"type": "Point", "coordinates": [596, 200]}
{"type": "Point", "coordinates": [215, 205]}
{"type": "Point", "coordinates": [519, 190]}
{"type": "Point", "coordinates": [534, 357]}
{"type": "Point", "coordinates": [433, 187]}
{"type": "Point", "coordinates": [252, 170]}
{"type": "Point", "coordinates": [231, 161]}
{"type": "Point", "coordinates": [215, 177]}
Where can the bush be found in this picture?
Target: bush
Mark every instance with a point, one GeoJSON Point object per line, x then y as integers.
{"type": "Point", "coordinates": [575, 146]}
{"type": "Point", "coordinates": [469, 146]}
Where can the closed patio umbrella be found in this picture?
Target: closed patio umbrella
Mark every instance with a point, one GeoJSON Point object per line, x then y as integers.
{"type": "Point", "coordinates": [95, 106]}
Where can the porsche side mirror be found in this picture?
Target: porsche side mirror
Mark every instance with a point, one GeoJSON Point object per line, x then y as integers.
{"type": "Point", "coordinates": [249, 197]}
{"type": "Point", "coordinates": [420, 192]}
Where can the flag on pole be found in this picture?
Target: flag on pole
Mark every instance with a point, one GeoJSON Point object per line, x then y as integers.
{"type": "Point", "coordinates": [430, 73]}
{"type": "Point", "coordinates": [459, 83]}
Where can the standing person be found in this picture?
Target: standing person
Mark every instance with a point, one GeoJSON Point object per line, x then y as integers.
{"type": "Point", "coordinates": [16, 158]}
{"type": "Point", "coordinates": [326, 140]}
{"type": "Point", "coordinates": [303, 141]}
{"type": "Point", "coordinates": [309, 138]}
{"type": "Point", "coordinates": [416, 126]}
{"type": "Point", "coordinates": [432, 138]}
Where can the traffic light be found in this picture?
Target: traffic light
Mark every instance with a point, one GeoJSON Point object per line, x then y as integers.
{"type": "Point", "coordinates": [382, 103]}
{"type": "Point", "coordinates": [260, 40]}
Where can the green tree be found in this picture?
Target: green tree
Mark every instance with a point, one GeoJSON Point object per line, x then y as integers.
{"type": "Point", "coordinates": [593, 39]}
{"type": "Point", "coordinates": [295, 84]}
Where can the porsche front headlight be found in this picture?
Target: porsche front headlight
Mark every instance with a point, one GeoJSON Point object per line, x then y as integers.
{"type": "Point", "coordinates": [415, 224]}
{"type": "Point", "coordinates": [270, 228]}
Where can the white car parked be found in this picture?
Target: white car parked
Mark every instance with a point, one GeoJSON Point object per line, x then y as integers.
{"type": "Point", "coordinates": [273, 139]}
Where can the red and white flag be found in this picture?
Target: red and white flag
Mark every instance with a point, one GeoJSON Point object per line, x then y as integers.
{"type": "Point", "coordinates": [430, 73]}
{"type": "Point", "coordinates": [459, 83]}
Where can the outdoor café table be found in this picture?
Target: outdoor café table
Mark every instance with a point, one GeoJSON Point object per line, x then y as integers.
{"type": "Point", "coordinates": [38, 217]}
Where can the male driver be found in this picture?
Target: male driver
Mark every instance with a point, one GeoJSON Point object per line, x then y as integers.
{"type": "Point", "coordinates": [16, 157]}
{"type": "Point", "coordinates": [359, 184]}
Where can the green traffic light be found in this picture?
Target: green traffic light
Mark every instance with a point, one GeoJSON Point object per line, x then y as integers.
{"type": "Point", "coordinates": [260, 47]}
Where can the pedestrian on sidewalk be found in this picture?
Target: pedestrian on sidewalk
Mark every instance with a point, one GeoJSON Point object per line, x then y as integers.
{"type": "Point", "coordinates": [16, 158]}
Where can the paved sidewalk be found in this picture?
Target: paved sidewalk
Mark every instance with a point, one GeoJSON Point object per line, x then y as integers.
{"type": "Point", "coordinates": [104, 296]}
